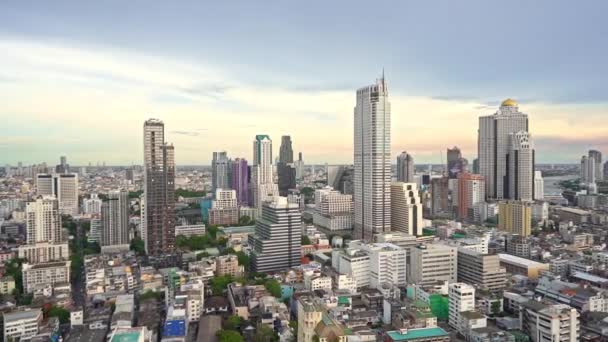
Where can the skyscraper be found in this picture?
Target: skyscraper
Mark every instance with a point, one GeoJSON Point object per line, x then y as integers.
{"type": "Point", "coordinates": [520, 167]}
{"type": "Point", "coordinates": [471, 191]}
{"type": "Point", "coordinates": [115, 219]}
{"type": "Point", "coordinates": [539, 186]}
{"type": "Point", "coordinates": [43, 220]}
{"type": "Point", "coordinates": [441, 207]}
{"type": "Point", "coordinates": [406, 208]}
{"type": "Point", "coordinates": [372, 153]}
{"type": "Point", "coordinates": [405, 168]}
{"type": "Point", "coordinates": [220, 171]}
{"type": "Point", "coordinates": [456, 163]}
{"type": "Point", "coordinates": [276, 243]}
{"type": "Point", "coordinates": [159, 190]}
{"type": "Point", "coordinates": [515, 217]}
{"type": "Point", "coordinates": [262, 183]}
{"type": "Point", "coordinates": [597, 157]}
{"type": "Point", "coordinates": [493, 146]}
{"type": "Point", "coordinates": [64, 186]}
{"type": "Point", "coordinates": [299, 165]}
{"type": "Point", "coordinates": [285, 168]}
{"type": "Point", "coordinates": [63, 166]}
{"type": "Point", "coordinates": [240, 180]}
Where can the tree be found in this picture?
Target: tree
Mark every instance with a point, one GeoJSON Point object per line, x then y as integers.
{"type": "Point", "coordinates": [138, 246]}
{"type": "Point", "coordinates": [308, 193]}
{"type": "Point", "coordinates": [59, 312]}
{"type": "Point", "coordinates": [135, 194]}
{"type": "Point", "coordinates": [189, 193]}
{"type": "Point", "coordinates": [244, 260]}
{"type": "Point", "coordinates": [229, 336]}
{"type": "Point", "coordinates": [244, 220]}
{"type": "Point", "coordinates": [273, 286]}
{"type": "Point", "coordinates": [219, 284]}
{"type": "Point", "coordinates": [496, 307]}
{"type": "Point", "coordinates": [306, 240]}
{"type": "Point", "coordinates": [233, 323]}
{"type": "Point", "coordinates": [265, 334]}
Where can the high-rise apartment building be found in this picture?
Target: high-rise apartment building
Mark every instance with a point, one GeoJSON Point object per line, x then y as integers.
{"type": "Point", "coordinates": [406, 208]}
{"type": "Point", "coordinates": [494, 145]}
{"type": "Point", "coordinates": [515, 217]}
{"type": "Point", "coordinates": [456, 163]}
{"type": "Point", "coordinates": [299, 165]}
{"type": "Point", "coordinates": [286, 169]}
{"type": "Point", "coordinates": [405, 168]}
{"type": "Point", "coordinates": [520, 171]}
{"type": "Point", "coordinates": [591, 167]}
{"type": "Point", "coordinates": [539, 186]}
{"type": "Point", "coordinates": [471, 191]}
{"type": "Point", "coordinates": [115, 219]}
{"type": "Point", "coordinates": [64, 186]}
{"type": "Point", "coordinates": [433, 262]}
{"type": "Point", "coordinates": [276, 243]}
{"type": "Point", "coordinates": [333, 210]}
{"type": "Point", "coordinates": [92, 205]}
{"type": "Point", "coordinates": [240, 180]}
{"type": "Point", "coordinates": [461, 298]}
{"type": "Point", "coordinates": [43, 220]}
{"type": "Point", "coordinates": [224, 209]}
{"type": "Point", "coordinates": [220, 171]}
{"type": "Point", "coordinates": [482, 270]}
{"type": "Point", "coordinates": [159, 190]}
{"type": "Point", "coordinates": [263, 187]}
{"type": "Point", "coordinates": [441, 205]}
{"type": "Point", "coordinates": [372, 140]}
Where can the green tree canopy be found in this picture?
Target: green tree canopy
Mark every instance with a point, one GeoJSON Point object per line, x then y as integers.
{"type": "Point", "coordinates": [219, 284]}
{"type": "Point", "coordinates": [273, 286]}
{"type": "Point", "coordinates": [233, 323]}
{"type": "Point", "coordinates": [229, 336]}
{"type": "Point", "coordinates": [306, 240]}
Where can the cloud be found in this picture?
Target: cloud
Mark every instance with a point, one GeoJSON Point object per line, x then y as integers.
{"type": "Point", "coordinates": [187, 133]}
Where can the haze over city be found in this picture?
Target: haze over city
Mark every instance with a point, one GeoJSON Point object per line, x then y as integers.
{"type": "Point", "coordinates": [79, 78]}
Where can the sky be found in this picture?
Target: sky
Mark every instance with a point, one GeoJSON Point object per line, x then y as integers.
{"type": "Point", "coordinates": [78, 78]}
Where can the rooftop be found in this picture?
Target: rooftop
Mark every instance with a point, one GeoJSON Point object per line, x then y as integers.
{"type": "Point", "coordinates": [23, 314]}
{"type": "Point", "coordinates": [413, 334]}
{"type": "Point", "coordinates": [522, 262]}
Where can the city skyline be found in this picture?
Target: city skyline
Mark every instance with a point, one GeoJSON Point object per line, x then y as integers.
{"type": "Point", "coordinates": [90, 79]}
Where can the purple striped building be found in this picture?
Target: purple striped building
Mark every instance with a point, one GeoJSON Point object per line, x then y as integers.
{"type": "Point", "coordinates": [240, 180]}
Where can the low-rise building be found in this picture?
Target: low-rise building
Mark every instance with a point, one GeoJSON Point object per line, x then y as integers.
{"type": "Point", "coordinates": [228, 265]}
{"type": "Point", "coordinates": [517, 265]}
{"type": "Point", "coordinates": [22, 324]}
{"type": "Point", "coordinates": [44, 252]}
{"type": "Point", "coordinates": [7, 285]}
{"type": "Point", "coordinates": [45, 273]}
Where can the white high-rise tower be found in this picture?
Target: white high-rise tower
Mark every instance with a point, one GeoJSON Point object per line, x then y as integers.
{"type": "Point", "coordinates": [263, 187]}
{"type": "Point", "coordinates": [493, 146]}
{"type": "Point", "coordinates": [372, 140]}
{"type": "Point", "coordinates": [520, 167]}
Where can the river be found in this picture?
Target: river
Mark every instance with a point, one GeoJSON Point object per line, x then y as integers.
{"type": "Point", "coordinates": [552, 184]}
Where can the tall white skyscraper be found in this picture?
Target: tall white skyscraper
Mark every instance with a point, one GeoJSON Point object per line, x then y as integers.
{"type": "Point", "coordinates": [493, 146]}
{"type": "Point", "coordinates": [539, 186]}
{"type": "Point", "coordinates": [372, 140]}
{"type": "Point", "coordinates": [43, 220]}
{"type": "Point", "coordinates": [406, 208]}
{"type": "Point", "coordinates": [405, 168]}
{"type": "Point", "coordinates": [159, 190]}
{"type": "Point", "coordinates": [64, 186]}
{"type": "Point", "coordinates": [597, 158]}
{"type": "Point", "coordinates": [115, 219]}
{"type": "Point", "coordinates": [263, 187]}
{"type": "Point", "coordinates": [520, 168]}
{"type": "Point", "coordinates": [591, 167]}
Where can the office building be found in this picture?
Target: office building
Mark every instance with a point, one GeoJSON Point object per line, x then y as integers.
{"type": "Point", "coordinates": [63, 166]}
{"type": "Point", "coordinates": [49, 273]}
{"type": "Point", "coordinates": [64, 186]}
{"type": "Point", "coordinates": [456, 163]}
{"type": "Point", "coordinates": [341, 178]}
{"type": "Point", "coordinates": [432, 263]}
{"type": "Point", "coordinates": [520, 167]}
{"type": "Point", "coordinates": [333, 210]}
{"type": "Point", "coordinates": [43, 220]}
{"type": "Point", "coordinates": [494, 145]}
{"type": "Point", "coordinates": [471, 192]}
{"type": "Point", "coordinates": [549, 322]}
{"type": "Point", "coordinates": [159, 190]}
{"type": "Point", "coordinates": [515, 217]}
{"type": "Point", "coordinates": [518, 265]}
{"type": "Point", "coordinates": [220, 171]}
{"type": "Point", "coordinates": [276, 243]}
{"type": "Point", "coordinates": [461, 298]}
{"type": "Point", "coordinates": [299, 165]}
{"type": "Point", "coordinates": [22, 324]}
{"type": "Point", "coordinates": [405, 168]}
{"type": "Point", "coordinates": [92, 205]}
{"type": "Point", "coordinates": [224, 209]}
{"type": "Point", "coordinates": [441, 206]}
{"type": "Point", "coordinates": [406, 208]}
{"type": "Point", "coordinates": [115, 219]}
{"type": "Point", "coordinates": [240, 181]}
{"type": "Point", "coordinates": [605, 174]}
{"type": "Point", "coordinates": [285, 167]}
{"type": "Point", "coordinates": [372, 161]}
{"type": "Point", "coordinates": [262, 183]}
{"type": "Point", "coordinates": [539, 186]}
{"type": "Point", "coordinates": [481, 270]}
